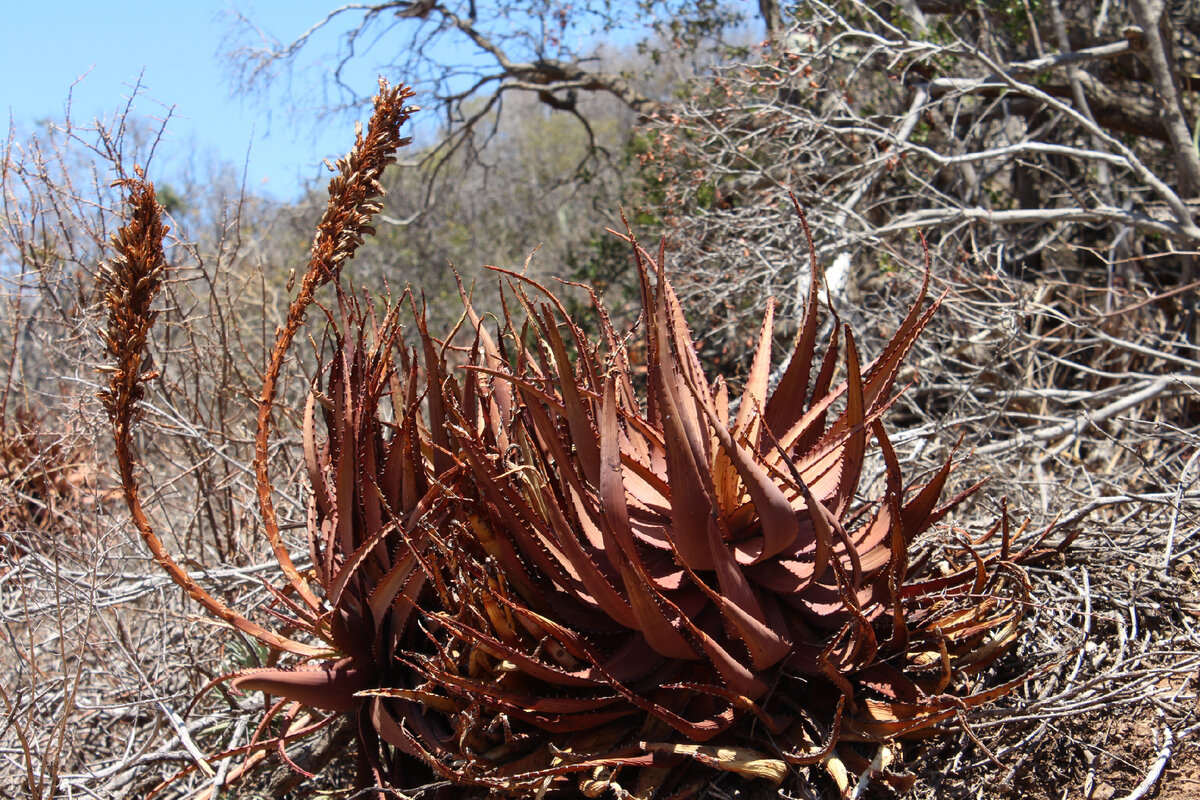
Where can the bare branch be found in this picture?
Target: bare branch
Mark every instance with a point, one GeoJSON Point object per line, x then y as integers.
{"type": "Point", "coordinates": [1150, 15]}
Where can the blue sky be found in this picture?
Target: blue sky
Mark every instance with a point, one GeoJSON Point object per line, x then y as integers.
{"type": "Point", "coordinates": [102, 47]}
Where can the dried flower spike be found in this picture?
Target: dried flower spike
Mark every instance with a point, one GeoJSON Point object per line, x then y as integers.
{"type": "Point", "coordinates": [131, 280]}
{"type": "Point", "coordinates": [353, 195]}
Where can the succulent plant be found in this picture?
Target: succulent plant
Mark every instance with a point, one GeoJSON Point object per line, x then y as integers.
{"type": "Point", "coordinates": [543, 564]}
{"type": "Point", "coordinates": [647, 577]}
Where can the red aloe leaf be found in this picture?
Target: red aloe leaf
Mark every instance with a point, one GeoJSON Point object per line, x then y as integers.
{"type": "Point", "coordinates": [554, 714]}
{"type": "Point", "coordinates": [727, 487]}
{"type": "Point", "coordinates": [395, 735]}
{"type": "Point", "coordinates": [651, 612]}
{"type": "Point", "coordinates": [822, 464]}
{"type": "Point", "coordinates": [806, 430]}
{"type": "Point", "coordinates": [435, 378]}
{"type": "Point", "coordinates": [677, 336]}
{"type": "Point", "coordinates": [888, 517]}
{"type": "Point", "coordinates": [316, 472]}
{"type": "Point", "coordinates": [737, 603]}
{"type": "Point", "coordinates": [691, 504]}
{"type": "Point", "coordinates": [428, 699]}
{"type": "Point", "coordinates": [721, 401]}
{"type": "Point", "coordinates": [740, 607]}
{"type": "Point", "coordinates": [588, 568]}
{"type": "Point", "coordinates": [372, 508]}
{"type": "Point", "coordinates": [889, 682]}
{"type": "Point", "coordinates": [553, 674]}
{"type": "Point", "coordinates": [663, 633]}
{"type": "Point", "coordinates": [405, 475]}
{"type": "Point", "coordinates": [954, 580]}
{"type": "Point", "coordinates": [583, 434]}
{"type": "Point", "coordinates": [353, 562]}
{"type": "Point", "coordinates": [892, 515]}
{"type": "Point", "coordinates": [921, 522]}
{"type": "Point", "coordinates": [778, 519]}
{"type": "Point", "coordinates": [882, 372]}
{"type": "Point", "coordinates": [783, 576]}
{"type": "Point", "coordinates": [735, 674]}
{"type": "Point", "coordinates": [329, 688]}
{"type": "Point", "coordinates": [775, 725]}
{"type": "Point", "coordinates": [680, 358]}
{"type": "Point", "coordinates": [823, 750]}
{"type": "Point", "coordinates": [344, 463]}
{"type": "Point", "coordinates": [468, 405]}
{"type": "Point", "coordinates": [526, 702]}
{"type": "Point", "coordinates": [821, 520]}
{"type": "Point", "coordinates": [754, 396]}
{"type": "Point", "coordinates": [400, 586]}
{"type": "Point", "coordinates": [520, 524]}
{"type": "Point", "coordinates": [787, 403]}
{"type": "Point", "coordinates": [560, 723]}
{"type": "Point", "coordinates": [493, 358]}
{"type": "Point", "coordinates": [881, 719]}
{"type": "Point", "coordinates": [503, 550]}
{"type": "Point", "coordinates": [645, 602]}
{"type": "Point", "coordinates": [648, 491]}
{"type": "Point", "coordinates": [571, 647]}
{"type": "Point", "coordinates": [854, 599]}
{"type": "Point", "coordinates": [852, 421]}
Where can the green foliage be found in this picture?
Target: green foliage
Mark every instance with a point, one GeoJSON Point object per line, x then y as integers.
{"type": "Point", "coordinates": [171, 200]}
{"type": "Point", "coordinates": [601, 262]}
{"type": "Point", "coordinates": [1013, 17]}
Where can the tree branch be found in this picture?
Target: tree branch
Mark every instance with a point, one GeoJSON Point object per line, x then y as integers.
{"type": "Point", "coordinates": [772, 17]}
{"type": "Point", "coordinates": [1018, 216]}
{"type": "Point", "coordinates": [1156, 32]}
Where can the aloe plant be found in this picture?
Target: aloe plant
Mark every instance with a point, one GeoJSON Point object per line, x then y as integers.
{"type": "Point", "coordinates": [655, 579]}
{"type": "Point", "coordinates": [543, 564]}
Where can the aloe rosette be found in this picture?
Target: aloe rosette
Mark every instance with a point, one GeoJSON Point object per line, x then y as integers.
{"type": "Point", "coordinates": [653, 579]}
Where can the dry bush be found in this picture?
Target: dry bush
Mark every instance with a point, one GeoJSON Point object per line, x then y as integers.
{"type": "Point", "coordinates": [100, 660]}
{"type": "Point", "coordinates": [1081, 403]}
{"type": "Point", "coordinates": [967, 124]}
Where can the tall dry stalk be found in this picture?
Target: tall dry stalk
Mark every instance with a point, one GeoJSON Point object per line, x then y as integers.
{"type": "Point", "coordinates": [130, 281]}
{"type": "Point", "coordinates": [353, 202]}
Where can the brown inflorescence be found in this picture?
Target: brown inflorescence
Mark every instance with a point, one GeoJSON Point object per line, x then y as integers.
{"type": "Point", "coordinates": [131, 280]}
